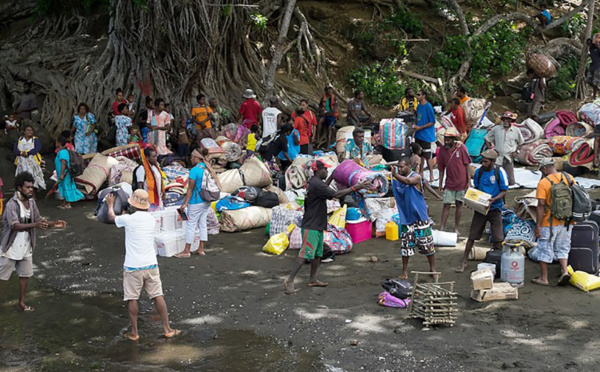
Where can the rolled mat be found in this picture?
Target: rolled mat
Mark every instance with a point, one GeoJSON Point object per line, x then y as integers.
{"type": "Point", "coordinates": [96, 173]}
{"type": "Point", "coordinates": [554, 128]}
{"type": "Point", "coordinates": [530, 130]}
{"type": "Point", "coordinates": [583, 155]}
{"type": "Point", "coordinates": [255, 173]}
{"type": "Point", "coordinates": [233, 151]}
{"type": "Point", "coordinates": [579, 129]}
{"type": "Point", "coordinates": [244, 219]}
{"type": "Point", "coordinates": [342, 135]}
{"type": "Point", "coordinates": [532, 153]}
{"type": "Point", "coordinates": [563, 145]}
{"type": "Point", "coordinates": [478, 253]}
{"type": "Point", "coordinates": [348, 173]}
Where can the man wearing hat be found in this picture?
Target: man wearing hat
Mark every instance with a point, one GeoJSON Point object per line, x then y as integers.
{"type": "Point", "coordinates": [505, 139]}
{"type": "Point", "coordinates": [140, 269]}
{"type": "Point", "coordinates": [453, 163]}
{"type": "Point", "coordinates": [554, 237]}
{"type": "Point", "coordinates": [250, 111]}
{"type": "Point", "coordinates": [491, 179]}
{"type": "Point", "coordinates": [314, 223]}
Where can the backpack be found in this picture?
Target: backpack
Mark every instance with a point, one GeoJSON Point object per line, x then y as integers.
{"type": "Point", "coordinates": [527, 92]}
{"type": "Point", "coordinates": [209, 191]}
{"type": "Point", "coordinates": [582, 204]}
{"type": "Point", "coordinates": [76, 164]}
{"type": "Point", "coordinates": [134, 182]}
{"type": "Point", "coordinates": [561, 199]}
{"type": "Point", "coordinates": [398, 288]}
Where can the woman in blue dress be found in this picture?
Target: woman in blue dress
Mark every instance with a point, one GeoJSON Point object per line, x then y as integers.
{"type": "Point", "coordinates": [66, 185]}
{"type": "Point", "coordinates": [84, 127]}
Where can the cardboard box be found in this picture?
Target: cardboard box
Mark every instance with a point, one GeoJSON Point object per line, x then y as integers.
{"type": "Point", "coordinates": [482, 279]}
{"type": "Point", "coordinates": [477, 200]}
{"type": "Point", "coordinates": [499, 291]}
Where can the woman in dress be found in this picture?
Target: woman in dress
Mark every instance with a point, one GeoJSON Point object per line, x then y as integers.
{"type": "Point", "coordinates": [27, 149]}
{"type": "Point", "coordinates": [159, 125]}
{"type": "Point", "coordinates": [65, 182]}
{"type": "Point", "coordinates": [84, 126]}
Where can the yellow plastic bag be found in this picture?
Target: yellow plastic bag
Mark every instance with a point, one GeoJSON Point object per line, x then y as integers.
{"type": "Point", "coordinates": [278, 243]}
{"type": "Point", "coordinates": [338, 218]}
{"type": "Point", "coordinates": [582, 280]}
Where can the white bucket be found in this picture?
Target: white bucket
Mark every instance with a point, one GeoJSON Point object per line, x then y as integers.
{"type": "Point", "coordinates": [444, 239]}
{"type": "Point", "coordinates": [490, 266]}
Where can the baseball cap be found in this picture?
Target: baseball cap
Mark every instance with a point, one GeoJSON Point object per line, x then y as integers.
{"type": "Point", "coordinates": [316, 165]}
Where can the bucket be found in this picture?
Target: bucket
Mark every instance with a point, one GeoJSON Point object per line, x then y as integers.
{"type": "Point", "coordinates": [477, 253]}
{"type": "Point", "coordinates": [444, 239]}
{"type": "Point", "coordinates": [484, 265]}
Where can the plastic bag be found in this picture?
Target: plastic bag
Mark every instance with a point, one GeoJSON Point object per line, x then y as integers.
{"type": "Point", "coordinates": [386, 299]}
{"type": "Point", "coordinates": [338, 218]}
{"type": "Point", "coordinates": [278, 242]}
{"type": "Point", "coordinates": [582, 280]}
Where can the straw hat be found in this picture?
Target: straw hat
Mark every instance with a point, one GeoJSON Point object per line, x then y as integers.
{"type": "Point", "coordinates": [509, 115]}
{"type": "Point", "coordinates": [451, 132]}
{"type": "Point", "coordinates": [139, 199]}
{"type": "Point", "coordinates": [249, 94]}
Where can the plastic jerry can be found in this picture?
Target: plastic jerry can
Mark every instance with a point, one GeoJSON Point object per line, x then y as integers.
{"type": "Point", "coordinates": [513, 266]}
{"type": "Point", "coordinates": [391, 231]}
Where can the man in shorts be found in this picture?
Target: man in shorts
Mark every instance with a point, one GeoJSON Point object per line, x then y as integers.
{"type": "Point", "coordinates": [314, 223]}
{"type": "Point", "coordinates": [140, 270]}
{"type": "Point", "coordinates": [415, 224]}
{"type": "Point", "coordinates": [554, 242]}
{"type": "Point", "coordinates": [425, 132]}
{"type": "Point", "coordinates": [453, 163]}
{"type": "Point", "coordinates": [491, 179]}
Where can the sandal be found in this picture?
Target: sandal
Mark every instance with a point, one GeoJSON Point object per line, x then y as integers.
{"type": "Point", "coordinates": [131, 337]}
{"type": "Point", "coordinates": [26, 308]}
{"type": "Point", "coordinates": [172, 334]}
{"type": "Point", "coordinates": [461, 268]}
{"type": "Point", "coordinates": [539, 282]}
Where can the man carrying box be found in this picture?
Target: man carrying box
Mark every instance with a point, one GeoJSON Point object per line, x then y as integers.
{"type": "Point", "coordinates": [492, 180]}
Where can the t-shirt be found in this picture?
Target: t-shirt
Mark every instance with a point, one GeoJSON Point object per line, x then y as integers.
{"type": "Point", "coordinates": [182, 136]}
{"type": "Point", "coordinates": [454, 162]}
{"type": "Point", "coordinates": [278, 145]}
{"type": "Point", "coordinates": [140, 175]}
{"type": "Point", "coordinates": [196, 174]}
{"type": "Point", "coordinates": [292, 149]}
{"type": "Point", "coordinates": [490, 185]}
{"type": "Point", "coordinates": [425, 114]}
{"type": "Point", "coordinates": [201, 113]}
{"type": "Point", "coordinates": [543, 192]}
{"type": "Point", "coordinates": [250, 110]}
{"type": "Point", "coordinates": [251, 144]}
{"type": "Point", "coordinates": [546, 14]}
{"type": "Point", "coordinates": [140, 228]}
{"type": "Point", "coordinates": [595, 56]}
{"type": "Point", "coordinates": [458, 119]}
{"type": "Point", "coordinates": [356, 106]}
{"type": "Point", "coordinates": [315, 204]}
{"type": "Point", "coordinates": [304, 124]}
{"type": "Point", "coordinates": [115, 106]}
{"type": "Point", "coordinates": [21, 246]}
{"type": "Point", "coordinates": [269, 118]}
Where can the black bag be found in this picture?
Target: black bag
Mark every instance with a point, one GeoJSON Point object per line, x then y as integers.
{"type": "Point", "coordinates": [121, 203]}
{"type": "Point", "coordinates": [267, 199]}
{"type": "Point", "coordinates": [248, 193]}
{"type": "Point", "coordinates": [398, 288]}
{"type": "Point", "coordinates": [494, 256]}
{"type": "Point", "coordinates": [76, 164]}
{"type": "Point", "coordinates": [583, 255]}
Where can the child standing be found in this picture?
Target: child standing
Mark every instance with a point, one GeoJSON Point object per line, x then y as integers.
{"type": "Point", "coordinates": [251, 145]}
{"type": "Point", "coordinates": [11, 123]}
{"type": "Point", "coordinates": [123, 122]}
{"type": "Point", "coordinates": [131, 105]}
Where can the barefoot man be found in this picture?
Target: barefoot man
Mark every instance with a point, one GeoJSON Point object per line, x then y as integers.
{"type": "Point", "coordinates": [140, 270]}
{"type": "Point", "coordinates": [415, 222]}
{"type": "Point", "coordinates": [314, 223]}
{"type": "Point", "coordinates": [19, 221]}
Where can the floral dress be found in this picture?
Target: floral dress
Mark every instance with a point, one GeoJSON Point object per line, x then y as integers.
{"type": "Point", "coordinates": [67, 187]}
{"type": "Point", "coordinates": [158, 138]}
{"type": "Point", "coordinates": [123, 123]}
{"type": "Point", "coordinates": [31, 163]}
{"type": "Point", "coordinates": [85, 144]}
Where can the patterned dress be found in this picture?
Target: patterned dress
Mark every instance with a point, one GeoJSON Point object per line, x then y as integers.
{"type": "Point", "coordinates": [31, 163]}
{"type": "Point", "coordinates": [67, 187]}
{"type": "Point", "coordinates": [85, 144]}
{"type": "Point", "coordinates": [123, 123]}
{"type": "Point", "coordinates": [158, 138]}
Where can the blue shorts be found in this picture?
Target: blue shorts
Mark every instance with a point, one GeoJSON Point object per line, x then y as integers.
{"type": "Point", "coordinates": [555, 248]}
{"type": "Point", "coordinates": [329, 120]}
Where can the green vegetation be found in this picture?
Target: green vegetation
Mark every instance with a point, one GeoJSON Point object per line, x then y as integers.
{"type": "Point", "coordinates": [562, 86]}
{"type": "Point", "coordinates": [575, 25]}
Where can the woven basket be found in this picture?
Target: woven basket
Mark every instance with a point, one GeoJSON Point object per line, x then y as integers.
{"type": "Point", "coordinates": [541, 65]}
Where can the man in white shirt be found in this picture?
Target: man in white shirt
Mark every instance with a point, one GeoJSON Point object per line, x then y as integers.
{"type": "Point", "coordinates": [506, 138]}
{"type": "Point", "coordinates": [140, 269]}
{"type": "Point", "coordinates": [271, 118]}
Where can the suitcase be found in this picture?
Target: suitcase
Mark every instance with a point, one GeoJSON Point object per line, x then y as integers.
{"type": "Point", "coordinates": [584, 247]}
{"type": "Point", "coordinates": [494, 257]}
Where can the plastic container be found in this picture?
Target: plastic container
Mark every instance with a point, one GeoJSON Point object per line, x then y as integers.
{"type": "Point", "coordinates": [444, 238]}
{"type": "Point", "coordinates": [391, 231]}
{"type": "Point", "coordinates": [484, 265]}
{"type": "Point", "coordinates": [478, 253]}
{"type": "Point", "coordinates": [360, 230]}
{"type": "Point", "coordinates": [353, 214]}
{"type": "Point", "coordinates": [169, 243]}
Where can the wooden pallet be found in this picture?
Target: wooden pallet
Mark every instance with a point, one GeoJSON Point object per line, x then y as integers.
{"type": "Point", "coordinates": [435, 303]}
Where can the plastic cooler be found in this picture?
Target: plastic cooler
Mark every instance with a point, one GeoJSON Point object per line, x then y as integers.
{"type": "Point", "coordinates": [360, 230]}
{"type": "Point", "coordinates": [169, 243]}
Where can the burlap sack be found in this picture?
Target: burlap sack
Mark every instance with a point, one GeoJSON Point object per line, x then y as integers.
{"type": "Point", "coordinates": [230, 180]}
{"type": "Point", "coordinates": [256, 173]}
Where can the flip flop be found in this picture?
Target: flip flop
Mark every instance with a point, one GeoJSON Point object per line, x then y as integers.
{"type": "Point", "coordinates": [564, 279]}
{"type": "Point", "coordinates": [131, 337]}
{"type": "Point", "coordinates": [26, 308]}
{"type": "Point", "coordinates": [285, 289]}
{"type": "Point", "coordinates": [318, 284]}
{"type": "Point", "coordinates": [538, 282]}
{"type": "Point", "coordinates": [200, 253]}
{"type": "Point", "coordinates": [182, 255]}
{"type": "Point", "coordinates": [172, 334]}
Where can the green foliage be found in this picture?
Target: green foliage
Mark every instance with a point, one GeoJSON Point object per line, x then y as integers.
{"type": "Point", "coordinates": [575, 25]}
{"type": "Point", "coordinates": [562, 87]}
{"type": "Point", "coordinates": [259, 20]}
{"type": "Point", "coordinates": [404, 19]}
{"type": "Point", "coordinates": [379, 82]}
{"type": "Point", "coordinates": [495, 53]}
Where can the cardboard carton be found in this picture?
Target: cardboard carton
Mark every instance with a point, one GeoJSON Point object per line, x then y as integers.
{"type": "Point", "coordinates": [482, 279]}
{"type": "Point", "coordinates": [499, 291]}
{"type": "Point", "coordinates": [477, 200]}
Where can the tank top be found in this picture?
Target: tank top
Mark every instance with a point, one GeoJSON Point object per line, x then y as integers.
{"type": "Point", "coordinates": [410, 202]}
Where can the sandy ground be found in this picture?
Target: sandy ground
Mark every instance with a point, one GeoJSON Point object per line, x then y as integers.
{"type": "Point", "coordinates": [236, 290]}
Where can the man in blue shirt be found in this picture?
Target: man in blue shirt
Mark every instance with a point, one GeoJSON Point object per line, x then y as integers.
{"type": "Point", "coordinates": [425, 131]}
{"type": "Point", "coordinates": [492, 180]}
{"type": "Point", "coordinates": [544, 17]}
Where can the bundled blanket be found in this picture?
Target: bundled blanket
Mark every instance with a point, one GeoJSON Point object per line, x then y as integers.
{"type": "Point", "coordinates": [255, 173]}
{"type": "Point", "coordinates": [530, 130]}
{"type": "Point", "coordinates": [95, 174]}
{"type": "Point", "coordinates": [589, 113]}
{"type": "Point", "coordinates": [231, 180]}
{"type": "Point", "coordinates": [521, 231]}
{"type": "Point", "coordinates": [474, 109]}
{"type": "Point", "coordinates": [583, 155]}
{"type": "Point", "coordinates": [554, 128]}
{"type": "Point", "coordinates": [282, 217]}
{"type": "Point", "coordinates": [563, 145]}
{"type": "Point", "coordinates": [579, 129]}
{"type": "Point", "coordinates": [236, 133]}
{"type": "Point", "coordinates": [532, 153]}
{"type": "Point", "coordinates": [176, 172]}
{"type": "Point", "coordinates": [342, 135]}
{"type": "Point", "coordinates": [245, 219]}
{"type": "Point", "coordinates": [123, 171]}
{"type": "Point", "coordinates": [350, 174]}
{"type": "Point", "coordinates": [131, 151]}
{"type": "Point", "coordinates": [211, 146]}
{"type": "Point", "coordinates": [233, 151]}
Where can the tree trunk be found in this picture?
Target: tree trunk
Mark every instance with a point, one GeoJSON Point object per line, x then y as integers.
{"type": "Point", "coordinates": [280, 47]}
{"type": "Point", "coordinates": [580, 89]}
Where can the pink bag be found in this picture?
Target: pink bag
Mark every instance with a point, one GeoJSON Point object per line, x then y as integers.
{"type": "Point", "coordinates": [386, 299]}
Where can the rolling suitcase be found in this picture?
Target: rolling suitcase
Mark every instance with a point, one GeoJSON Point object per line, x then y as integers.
{"type": "Point", "coordinates": [584, 247]}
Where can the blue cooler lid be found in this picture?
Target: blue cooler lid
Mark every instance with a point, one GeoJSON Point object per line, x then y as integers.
{"type": "Point", "coordinates": [353, 214]}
